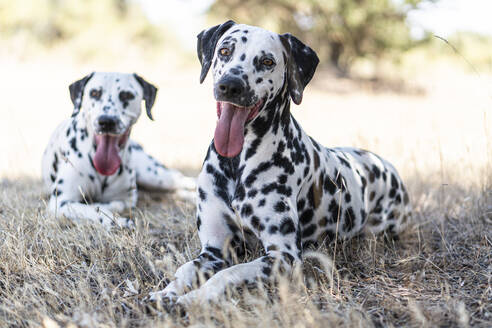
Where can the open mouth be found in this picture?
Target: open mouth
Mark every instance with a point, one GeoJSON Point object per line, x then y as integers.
{"type": "Point", "coordinates": [229, 132]}
{"type": "Point", "coordinates": [107, 159]}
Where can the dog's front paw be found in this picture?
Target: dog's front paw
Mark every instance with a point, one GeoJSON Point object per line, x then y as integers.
{"type": "Point", "coordinates": [125, 223]}
{"type": "Point", "coordinates": [119, 222]}
{"type": "Point", "coordinates": [157, 302]}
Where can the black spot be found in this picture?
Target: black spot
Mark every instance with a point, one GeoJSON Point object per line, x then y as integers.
{"type": "Point", "coordinates": [288, 258]}
{"type": "Point", "coordinates": [406, 199]}
{"type": "Point", "coordinates": [316, 160]}
{"type": "Point", "coordinates": [392, 193]}
{"type": "Point", "coordinates": [344, 162]}
{"type": "Point", "coordinates": [334, 210]}
{"type": "Point", "coordinates": [330, 186]}
{"type": "Point", "coordinates": [306, 232]}
{"type": "Point", "coordinates": [230, 223]}
{"type": "Point", "coordinates": [300, 204]}
{"type": "Point", "coordinates": [347, 197]}
{"type": "Point", "coordinates": [372, 195]}
{"type": "Point", "coordinates": [215, 251]}
{"type": "Point", "coordinates": [282, 178]}
{"type": "Point", "coordinates": [202, 194]}
{"type": "Point", "coordinates": [394, 181]}
{"type": "Point", "coordinates": [323, 222]}
{"type": "Point", "coordinates": [252, 193]}
{"type": "Point", "coordinates": [243, 57]}
{"type": "Point", "coordinates": [244, 39]}
{"type": "Point", "coordinates": [55, 163]}
{"type": "Point", "coordinates": [256, 224]}
{"type": "Point", "coordinates": [246, 210]}
{"type": "Point", "coordinates": [306, 216]}
{"type": "Point", "coordinates": [280, 207]}
{"type": "Point", "coordinates": [398, 199]}
{"type": "Point", "coordinates": [327, 236]}
{"type": "Point", "coordinates": [198, 222]}
{"type": "Point", "coordinates": [287, 226]}
{"type": "Point", "coordinates": [240, 192]}
{"type": "Point", "coordinates": [376, 171]}
{"type": "Point", "coordinates": [363, 216]}
{"type": "Point", "coordinates": [259, 80]}
{"type": "Point", "coordinates": [348, 225]}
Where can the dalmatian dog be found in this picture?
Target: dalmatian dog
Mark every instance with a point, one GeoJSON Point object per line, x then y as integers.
{"type": "Point", "coordinates": [90, 167]}
{"type": "Point", "coordinates": [264, 179]}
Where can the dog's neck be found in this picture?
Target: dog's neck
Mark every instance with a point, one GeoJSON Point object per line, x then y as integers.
{"type": "Point", "coordinates": [271, 125]}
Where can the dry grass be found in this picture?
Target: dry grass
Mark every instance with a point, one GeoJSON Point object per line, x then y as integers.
{"type": "Point", "coordinates": [439, 274]}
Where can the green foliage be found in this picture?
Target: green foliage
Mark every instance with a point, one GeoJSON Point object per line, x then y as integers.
{"type": "Point", "coordinates": [106, 26]}
{"type": "Point", "coordinates": [339, 30]}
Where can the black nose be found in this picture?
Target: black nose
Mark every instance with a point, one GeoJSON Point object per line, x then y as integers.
{"type": "Point", "coordinates": [107, 123]}
{"type": "Point", "coordinates": [230, 87]}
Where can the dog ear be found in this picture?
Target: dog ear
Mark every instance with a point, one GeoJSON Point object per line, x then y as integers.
{"type": "Point", "coordinates": [77, 91]}
{"type": "Point", "coordinates": [301, 64]}
{"type": "Point", "coordinates": [205, 47]}
{"type": "Point", "coordinates": [149, 94]}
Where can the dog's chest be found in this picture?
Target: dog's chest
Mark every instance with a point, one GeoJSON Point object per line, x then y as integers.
{"type": "Point", "coordinates": [106, 189]}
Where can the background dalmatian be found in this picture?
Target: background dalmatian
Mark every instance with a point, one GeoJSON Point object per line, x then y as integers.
{"type": "Point", "coordinates": [264, 179]}
{"type": "Point", "coordinates": [90, 166]}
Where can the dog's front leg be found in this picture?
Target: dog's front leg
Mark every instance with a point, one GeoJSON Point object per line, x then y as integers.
{"type": "Point", "coordinates": [66, 201]}
{"type": "Point", "coordinates": [275, 223]}
{"type": "Point", "coordinates": [217, 230]}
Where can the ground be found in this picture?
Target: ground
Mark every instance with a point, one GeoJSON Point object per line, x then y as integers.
{"type": "Point", "coordinates": [436, 130]}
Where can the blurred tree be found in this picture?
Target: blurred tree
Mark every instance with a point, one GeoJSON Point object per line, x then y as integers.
{"type": "Point", "coordinates": [339, 30]}
{"type": "Point", "coordinates": [89, 22]}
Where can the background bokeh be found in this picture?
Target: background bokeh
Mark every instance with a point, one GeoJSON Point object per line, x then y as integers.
{"type": "Point", "coordinates": [385, 82]}
{"type": "Point", "coordinates": [408, 79]}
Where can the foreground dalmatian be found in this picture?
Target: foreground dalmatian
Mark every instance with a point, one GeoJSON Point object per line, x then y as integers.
{"type": "Point", "coordinates": [264, 179]}
{"type": "Point", "coordinates": [90, 167]}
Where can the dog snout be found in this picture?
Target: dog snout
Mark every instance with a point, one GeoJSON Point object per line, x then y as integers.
{"type": "Point", "coordinates": [230, 88]}
{"type": "Point", "coordinates": [107, 123]}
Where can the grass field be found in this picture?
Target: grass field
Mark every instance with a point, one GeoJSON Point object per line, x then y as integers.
{"type": "Point", "coordinates": [54, 273]}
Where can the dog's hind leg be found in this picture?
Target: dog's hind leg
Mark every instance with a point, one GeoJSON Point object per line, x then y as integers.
{"type": "Point", "coordinates": [153, 175]}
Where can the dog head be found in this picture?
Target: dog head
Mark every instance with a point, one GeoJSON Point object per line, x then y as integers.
{"type": "Point", "coordinates": [111, 104]}
{"type": "Point", "coordinates": [250, 65]}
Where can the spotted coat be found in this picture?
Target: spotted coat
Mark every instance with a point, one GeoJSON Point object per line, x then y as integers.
{"type": "Point", "coordinates": [77, 189]}
{"type": "Point", "coordinates": [283, 190]}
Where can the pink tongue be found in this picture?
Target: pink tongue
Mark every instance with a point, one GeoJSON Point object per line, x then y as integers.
{"type": "Point", "coordinates": [229, 133]}
{"type": "Point", "coordinates": [107, 161]}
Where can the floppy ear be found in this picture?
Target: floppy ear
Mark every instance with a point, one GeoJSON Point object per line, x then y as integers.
{"type": "Point", "coordinates": [205, 46]}
{"type": "Point", "coordinates": [77, 91]}
{"type": "Point", "coordinates": [301, 64]}
{"type": "Point", "coordinates": [149, 93]}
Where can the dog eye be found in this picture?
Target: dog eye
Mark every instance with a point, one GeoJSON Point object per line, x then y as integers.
{"type": "Point", "coordinates": [225, 52]}
{"type": "Point", "coordinates": [126, 95]}
{"type": "Point", "coordinates": [268, 62]}
{"type": "Point", "coordinates": [96, 94]}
